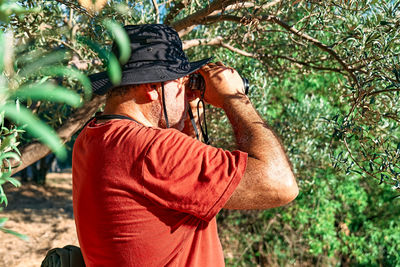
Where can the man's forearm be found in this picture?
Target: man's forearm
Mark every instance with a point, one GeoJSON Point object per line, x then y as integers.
{"type": "Point", "coordinates": [268, 180]}
{"type": "Point", "coordinates": [252, 133]}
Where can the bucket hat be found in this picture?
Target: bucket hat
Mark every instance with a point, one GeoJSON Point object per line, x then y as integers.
{"type": "Point", "coordinates": [156, 56]}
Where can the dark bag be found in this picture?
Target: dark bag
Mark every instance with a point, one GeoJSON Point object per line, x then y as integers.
{"type": "Point", "coordinates": [68, 256]}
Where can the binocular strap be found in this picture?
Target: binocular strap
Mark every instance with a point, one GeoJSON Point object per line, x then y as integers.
{"type": "Point", "coordinates": [203, 131]}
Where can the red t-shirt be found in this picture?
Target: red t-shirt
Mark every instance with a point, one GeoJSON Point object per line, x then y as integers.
{"type": "Point", "coordinates": [148, 197]}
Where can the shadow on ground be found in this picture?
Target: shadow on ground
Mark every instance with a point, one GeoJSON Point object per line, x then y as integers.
{"type": "Point", "coordinates": [48, 200]}
{"type": "Point", "coordinates": [44, 214]}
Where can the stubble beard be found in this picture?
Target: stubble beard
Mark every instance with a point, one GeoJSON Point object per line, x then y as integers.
{"type": "Point", "coordinates": [158, 113]}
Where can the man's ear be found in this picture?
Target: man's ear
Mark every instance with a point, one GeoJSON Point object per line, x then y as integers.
{"type": "Point", "coordinates": [151, 91]}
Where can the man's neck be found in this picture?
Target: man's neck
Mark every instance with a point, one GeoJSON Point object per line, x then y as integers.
{"type": "Point", "coordinates": [141, 113]}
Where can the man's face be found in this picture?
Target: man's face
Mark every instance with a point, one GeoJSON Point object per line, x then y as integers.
{"type": "Point", "coordinates": [176, 102]}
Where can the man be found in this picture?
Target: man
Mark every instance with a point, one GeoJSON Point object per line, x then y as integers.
{"type": "Point", "coordinates": [145, 193]}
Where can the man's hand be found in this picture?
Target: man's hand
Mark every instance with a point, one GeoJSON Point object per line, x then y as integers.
{"type": "Point", "coordinates": [221, 82]}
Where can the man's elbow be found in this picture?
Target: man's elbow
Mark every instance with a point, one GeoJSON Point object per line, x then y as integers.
{"type": "Point", "coordinates": [290, 189]}
{"type": "Point", "coordinates": [285, 188]}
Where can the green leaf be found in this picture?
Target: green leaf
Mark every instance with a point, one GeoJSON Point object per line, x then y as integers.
{"type": "Point", "coordinates": [41, 61]}
{"type": "Point", "coordinates": [35, 127]}
{"type": "Point", "coordinates": [113, 67]}
{"type": "Point", "coordinates": [71, 73]}
{"type": "Point", "coordinates": [9, 139]}
{"type": "Point", "coordinates": [3, 221]}
{"type": "Point", "coordinates": [1, 51]}
{"type": "Point", "coordinates": [8, 231]}
{"type": "Point", "coordinates": [48, 92]}
{"type": "Point", "coordinates": [3, 197]}
{"type": "Point", "coordinates": [14, 182]}
{"type": "Point", "coordinates": [5, 175]}
{"type": "Point", "coordinates": [120, 36]}
{"type": "Point", "coordinates": [9, 155]}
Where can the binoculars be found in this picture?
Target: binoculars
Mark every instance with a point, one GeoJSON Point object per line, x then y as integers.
{"type": "Point", "coordinates": [197, 82]}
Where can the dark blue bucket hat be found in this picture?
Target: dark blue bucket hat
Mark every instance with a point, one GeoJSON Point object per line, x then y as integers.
{"type": "Point", "coordinates": [157, 56]}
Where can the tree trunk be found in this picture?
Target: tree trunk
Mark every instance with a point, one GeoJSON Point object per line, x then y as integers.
{"type": "Point", "coordinates": [41, 168]}
{"type": "Point", "coordinates": [35, 151]}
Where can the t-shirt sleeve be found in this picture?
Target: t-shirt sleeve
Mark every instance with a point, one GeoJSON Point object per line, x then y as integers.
{"type": "Point", "coordinates": [184, 174]}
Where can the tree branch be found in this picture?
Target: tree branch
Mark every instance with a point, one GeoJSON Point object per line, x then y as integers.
{"type": "Point", "coordinates": [78, 52]}
{"type": "Point", "coordinates": [185, 31]}
{"type": "Point", "coordinates": [218, 18]}
{"type": "Point", "coordinates": [233, 7]}
{"type": "Point", "coordinates": [196, 17]}
{"type": "Point", "coordinates": [271, 4]}
{"type": "Point", "coordinates": [178, 7]}
{"type": "Point", "coordinates": [201, 17]}
{"type": "Point", "coordinates": [213, 14]}
{"type": "Point", "coordinates": [197, 42]}
{"type": "Point", "coordinates": [35, 151]}
{"type": "Point", "coordinates": [156, 10]}
{"type": "Point", "coordinates": [247, 5]}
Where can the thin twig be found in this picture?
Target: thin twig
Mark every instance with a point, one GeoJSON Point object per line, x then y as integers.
{"type": "Point", "coordinates": [382, 91]}
{"type": "Point", "coordinates": [372, 58]}
{"type": "Point", "coordinates": [307, 64]}
{"type": "Point", "coordinates": [218, 41]}
{"type": "Point", "coordinates": [358, 164]}
{"type": "Point", "coordinates": [156, 10]}
{"type": "Point", "coordinates": [67, 45]}
{"type": "Point", "coordinates": [315, 42]}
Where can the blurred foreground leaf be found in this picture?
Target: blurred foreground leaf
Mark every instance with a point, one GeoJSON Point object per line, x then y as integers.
{"type": "Point", "coordinates": [48, 92]}
{"type": "Point", "coordinates": [120, 36]}
{"type": "Point", "coordinates": [35, 127]}
{"type": "Point", "coordinates": [111, 61]}
{"type": "Point", "coordinates": [8, 231]}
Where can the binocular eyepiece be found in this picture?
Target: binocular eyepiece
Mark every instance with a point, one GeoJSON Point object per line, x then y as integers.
{"type": "Point", "coordinates": [197, 82]}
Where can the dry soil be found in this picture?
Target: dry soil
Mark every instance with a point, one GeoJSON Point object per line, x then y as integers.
{"type": "Point", "coordinates": [44, 214]}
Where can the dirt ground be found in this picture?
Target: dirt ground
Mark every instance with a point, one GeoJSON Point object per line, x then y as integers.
{"type": "Point", "coordinates": [44, 214]}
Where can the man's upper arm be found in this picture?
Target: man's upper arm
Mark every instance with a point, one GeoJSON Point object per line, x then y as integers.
{"type": "Point", "coordinates": [277, 188]}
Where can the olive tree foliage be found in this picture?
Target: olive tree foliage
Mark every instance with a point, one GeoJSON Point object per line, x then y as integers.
{"type": "Point", "coordinates": [357, 40]}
